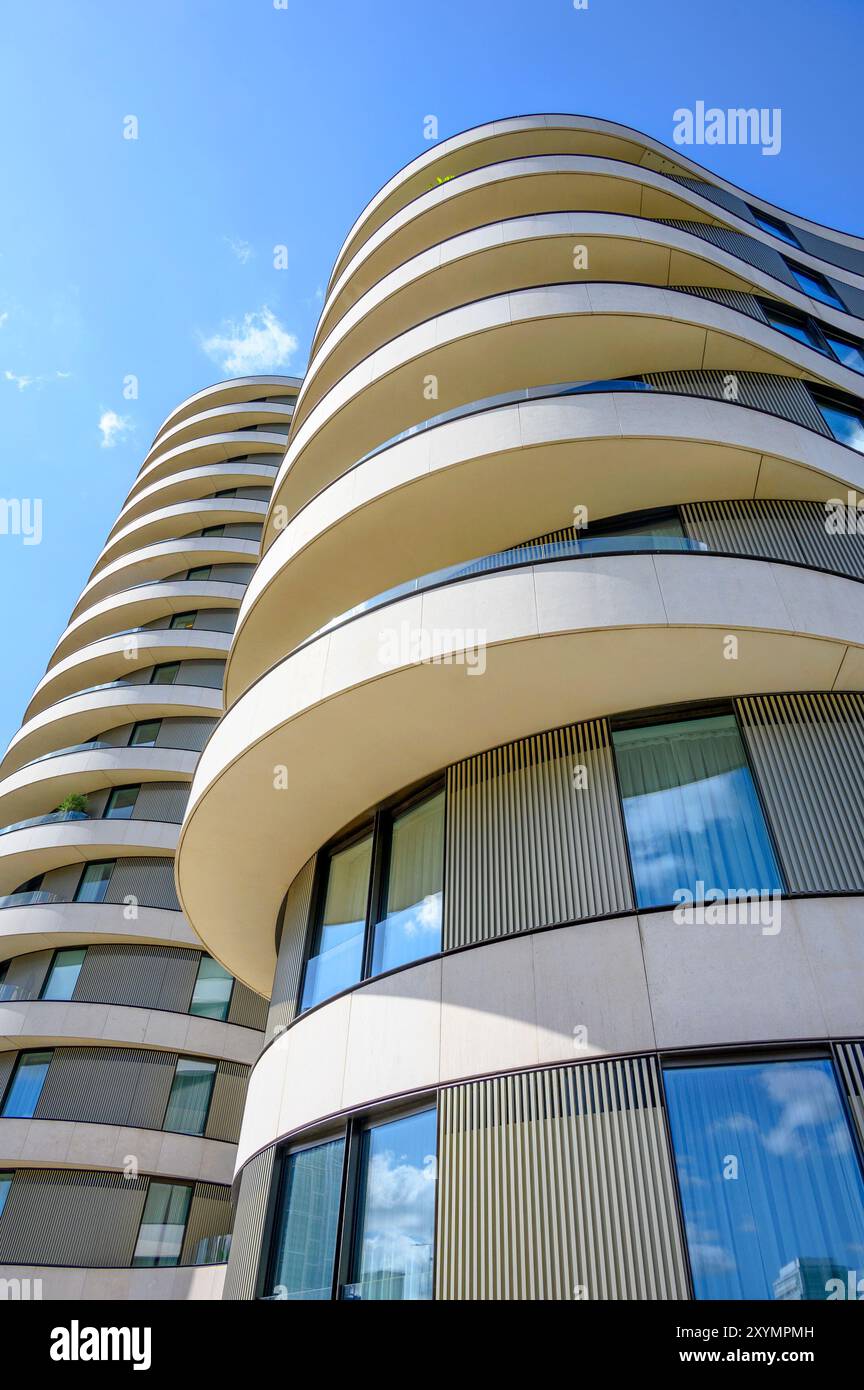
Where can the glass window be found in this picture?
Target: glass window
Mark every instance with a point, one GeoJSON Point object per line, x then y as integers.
{"type": "Point", "coordinates": [775, 227]}
{"type": "Point", "coordinates": [691, 811]}
{"type": "Point", "coordinates": [395, 1235]}
{"type": "Point", "coordinates": [183, 621]}
{"type": "Point", "coordinates": [121, 803]}
{"type": "Point", "coordinates": [411, 925]}
{"type": "Point", "coordinates": [336, 956]}
{"type": "Point", "coordinates": [770, 1183]}
{"type": "Point", "coordinates": [165, 673]}
{"type": "Point", "coordinates": [190, 1095]}
{"type": "Point", "coordinates": [844, 421]}
{"type": "Point", "coordinates": [663, 531]}
{"type": "Point", "coordinates": [63, 975]}
{"type": "Point", "coordinates": [5, 1184]}
{"type": "Point", "coordinates": [26, 1085]}
{"type": "Point", "coordinates": [211, 997]}
{"type": "Point", "coordinates": [213, 531]}
{"type": "Point", "coordinates": [816, 286]}
{"type": "Point", "coordinates": [304, 1248]}
{"type": "Point", "coordinates": [163, 1224]}
{"type": "Point", "coordinates": [199, 572]}
{"type": "Point", "coordinates": [93, 883]}
{"type": "Point", "coordinates": [846, 350]}
{"type": "Point", "coordinates": [145, 733]}
{"type": "Point", "coordinates": [793, 327]}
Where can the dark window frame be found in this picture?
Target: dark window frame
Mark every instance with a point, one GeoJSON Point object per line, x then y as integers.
{"type": "Point", "coordinates": [185, 1057]}
{"type": "Point", "coordinates": [25, 1052]}
{"type": "Point", "coordinates": [165, 1182]}
{"type": "Point", "coordinates": [164, 666]}
{"type": "Point", "coordinates": [812, 326]}
{"type": "Point", "coordinates": [115, 792]}
{"type": "Point", "coordinates": [58, 950]}
{"type": "Point", "coordinates": [92, 864]}
{"type": "Point", "coordinates": [142, 724]}
{"type": "Point", "coordinates": [205, 955]}
{"type": "Point", "coordinates": [775, 227]}
{"type": "Point", "coordinates": [835, 299]}
{"type": "Point", "coordinates": [380, 826]}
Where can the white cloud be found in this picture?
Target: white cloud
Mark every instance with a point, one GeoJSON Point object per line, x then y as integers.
{"type": "Point", "coordinates": [259, 344]}
{"type": "Point", "coordinates": [241, 249]}
{"type": "Point", "coordinates": [3, 317]}
{"type": "Point", "coordinates": [113, 427]}
{"type": "Point", "coordinates": [22, 382]}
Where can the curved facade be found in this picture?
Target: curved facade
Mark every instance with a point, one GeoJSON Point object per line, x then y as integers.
{"type": "Point", "coordinates": [125, 1048]}
{"type": "Point", "coordinates": [536, 805]}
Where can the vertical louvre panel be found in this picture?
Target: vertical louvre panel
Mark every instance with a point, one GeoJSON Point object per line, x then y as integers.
{"type": "Point", "coordinates": [226, 1105]}
{"type": "Point", "coordinates": [148, 977]}
{"type": "Point", "coordinates": [733, 299]}
{"type": "Point", "coordinates": [150, 880]}
{"type": "Point", "coordinates": [809, 758]}
{"type": "Point", "coordinates": [778, 395]}
{"type": "Point", "coordinates": [286, 982]}
{"type": "Point", "coordinates": [247, 1008]}
{"type": "Point", "coordinates": [107, 1086]}
{"type": "Point", "coordinates": [739, 244]}
{"type": "Point", "coordinates": [730, 201]}
{"type": "Point", "coordinates": [778, 530]}
{"type": "Point", "coordinates": [185, 733]}
{"type": "Point", "coordinates": [558, 1185]}
{"type": "Point", "coordinates": [850, 1063]}
{"type": "Point", "coordinates": [527, 848]}
{"type": "Point", "coordinates": [165, 801]}
{"type": "Point", "coordinates": [26, 976]}
{"type": "Point", "coordinates": [250, 1220]}
{"type": "Point", "coordinates": [64, 1217]}
{"type": "Point", "coordinates": [209, 1215]}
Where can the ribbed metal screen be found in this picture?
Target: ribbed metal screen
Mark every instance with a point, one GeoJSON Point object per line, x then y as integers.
{"type": "Point", "coordinates": [778, 395]}
{"type": "Point", "coordinates": [66, 1217]}
{"type": "Point", "coordinates": [165, 801]}
{"type": "Point", "coordinates": [147, 977]}
{"type": "Point", "coordinates": [776, 530]}
{"type": "Point", "coordinates": [209, 1215]}
{"type": "Point", "coordinates": [107, 1085]}
{"type": "Point", "coordinates": [226, 1105]}
{"type": "Point", "coordinates": [26, 976]}
{"type": "Point", "coordinates": [808, 753]}
{"type": "Point", "coordinates": [850, 1063]}
{"type": "Point", "coordinates": [286, 982]}
{"type": "Point", "coordinates": [249, 1223]}
{"type": "Point", "coordinates": [247, 1008]}
{"type": "Point", "coordinates": [558, 1185]}
{"type": "Point", "coordinates": [150, 880]}
{"type": "Point", "coordinates": [730, 201]}
{"type": "Point", "coordinates": [527, 845]}
{"type": "Point", "coordinates": [733, 299]}
{"type": "Point", "coordinates": [746, 248]}
{"type": "Point", "coordinates": [185, 733]}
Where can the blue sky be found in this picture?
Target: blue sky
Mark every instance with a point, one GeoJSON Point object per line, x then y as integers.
{"type": "Point", "coordinates": [261, 126]}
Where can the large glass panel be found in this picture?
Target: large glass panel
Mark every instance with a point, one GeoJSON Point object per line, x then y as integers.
{"type": "Point", "coordinates": [183, 621]}
{"type": "Point", "coordinates": [411, 926]}
{"type": "Point", "coordinates": [93, 883]}
{"type": "Point", "coordinates": [145, 733]}
{"type": "Point", "coordinates": [395, 1237]}
{"type": "Point", "coordinates": [165, 674]}
{"type": "Point", "coordinates": [211, 997]}
{"type": "Point", "coordinates": [190, 1095]}
{"type": "Point", "coordinates": [63, 975]}
{"type": "Point", "coordinates": [775, 227]}
{"type": "Point", "coordinates": [121, 803]}
{"type": "Point", "coordinates": [163, 1224]}
{"type": "Point", "coordinates": [336, 959]}
{"type": "Point", "coordinates": [771, 1187]}
{"type": "Point", "coordinates": [649, 533]}
{"type": "Point", "coordinates": [845, 423]}
{"type": "Point", "coordinates": [25, 1088]}
{"type": "Point", "coordinates": [846, 351]}
{"type": "Point", "coordinates": [199, 572]}
{"type": "Point", "coordinates": [305, 1236]}
{"type": "Point", "coordinates": [5, 1184]}
{"type": "Point", "coordinates": [692, 815]}
{"type": "Point", "coordinates": [793, 327]}
{"type": "Point", "coordinates": [817, 287]}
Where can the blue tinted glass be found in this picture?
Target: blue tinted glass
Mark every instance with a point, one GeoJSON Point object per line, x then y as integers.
{"type": "Point", "coordinates": [305, 1237]}
{"type": "Point", "coordinates": [26, 1088]}
{"type": "Point", "coordinates": [849, 353]}
{"type": "Point", "coordinates": [411, 927]}
{"type": "Point", "coordinates": [771, 1187]}
{"type": "Point", "coordinates": [5, 1184]}
{"type": "Point", "coordinates": [394, 1248]}
{"type": "Point", "coordinates": [770, 224]}
{"type": "Point", "coordinates": [691, 811]}
{"type": "Point", "coordinates": [816, 287]}
{"type": "Point", "coordinates": [792, 329]}
{"type": "Point", "coordinates": [64, 973]}
{"type": "Point", "coordinates": [847, 426]}
{"type": "Point", "coordinates": [336, 959]}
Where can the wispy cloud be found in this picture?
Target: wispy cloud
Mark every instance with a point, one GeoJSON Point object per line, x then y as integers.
{"type": "Point", "coordinates": [22, 380]}
{"type": "Point", "coordinates": [113, 428]}
{"type": "Point", "coordinates": [260, 343]}
{"type": "Point", "coordinates": [3, 317]}
{"type": "Point", "coordinates": [241, 249]}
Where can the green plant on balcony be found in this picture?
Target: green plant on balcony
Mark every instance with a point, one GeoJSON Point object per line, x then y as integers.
{"type": "Point", "coordinates": [74, 802]}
